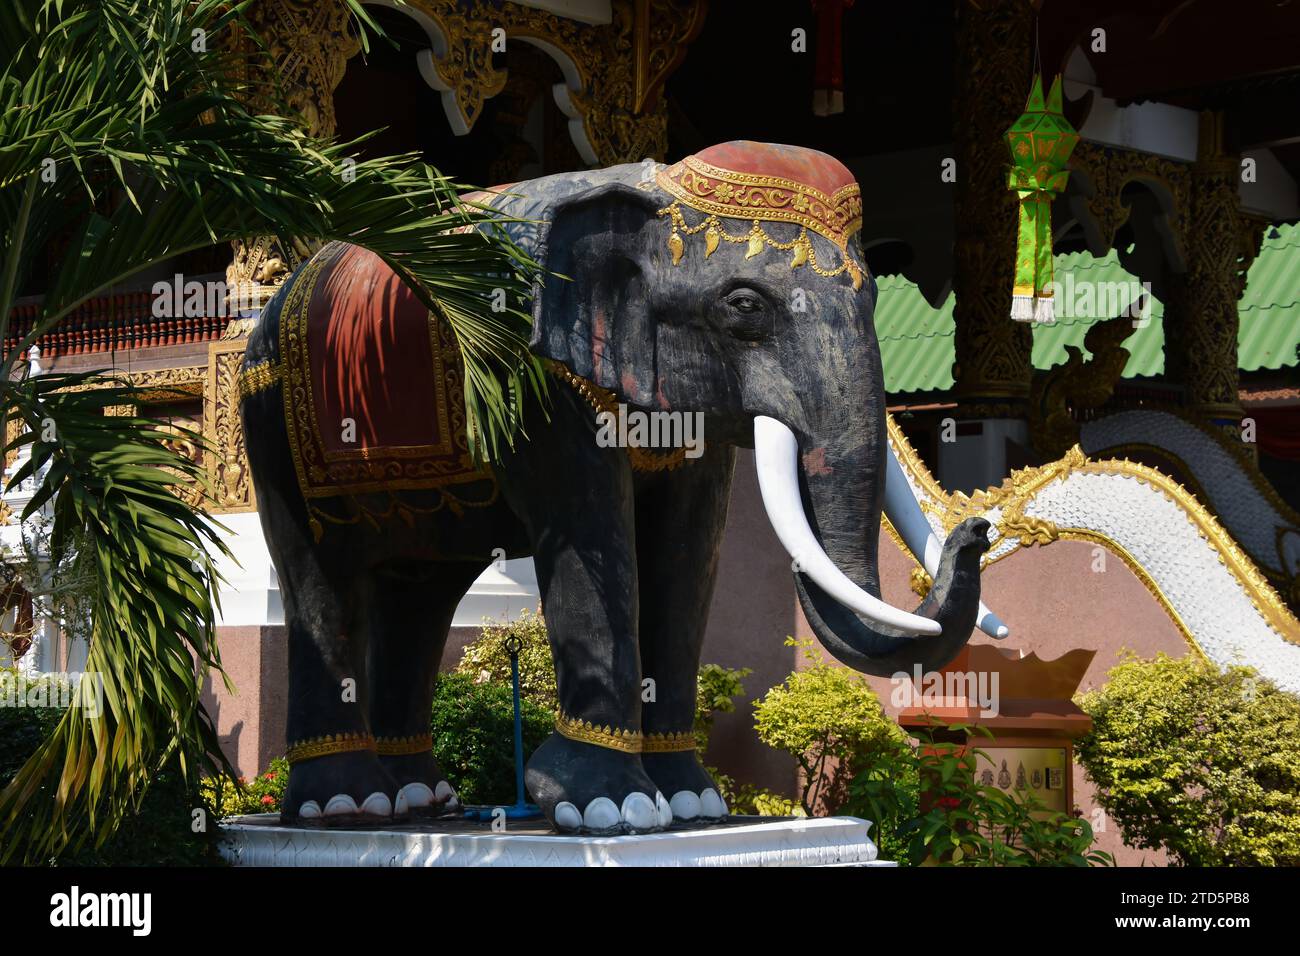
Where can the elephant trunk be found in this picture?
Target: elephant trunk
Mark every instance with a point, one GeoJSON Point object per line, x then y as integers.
{"type": "Point", "coordinates": [835, 554]}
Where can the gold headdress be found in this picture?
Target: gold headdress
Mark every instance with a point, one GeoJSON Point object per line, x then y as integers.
{"type": "Point", "coordinates": [765, 182]}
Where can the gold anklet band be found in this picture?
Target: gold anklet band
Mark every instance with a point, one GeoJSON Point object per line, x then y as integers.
{"type": "Point", "coordinates": [671, 743]}
{"type": "Point", "coordinates": [584, 731]}
{"type": "Point", "coordinates": [328, 745]}
{"type": "Point", "coordinates": [404, 746]}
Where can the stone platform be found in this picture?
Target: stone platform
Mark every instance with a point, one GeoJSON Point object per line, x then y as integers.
{"type": "Point", "coordinates": [742, 841]}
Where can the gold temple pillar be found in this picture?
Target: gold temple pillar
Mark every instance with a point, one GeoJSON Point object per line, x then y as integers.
{"type": "Point", "coordinates": [1201, 321]}
{"type": "Point", "coordinates": [309, 42]}
{"type": "Point", "coordinates": [993, 60]}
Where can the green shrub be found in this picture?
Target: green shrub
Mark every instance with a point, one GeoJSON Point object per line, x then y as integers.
{"type": "Point", "coordinates": [831, 722]}
{"type": "Point", "coordinates": [966, 823]}
{"type": "Point", "coordinates": [715, 693]}
{"type": "Point", "coordinates": [473, 736]}
{"type": "Point", "coordinates": [161, 831]}
{"type": "Point", "coordinates": [487, 659]}
{"type": "Point", "coordinates": [1202, 762]}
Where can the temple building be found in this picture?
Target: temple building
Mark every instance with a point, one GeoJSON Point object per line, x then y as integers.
{"type": "Point", "coordinates": [1139, 459]}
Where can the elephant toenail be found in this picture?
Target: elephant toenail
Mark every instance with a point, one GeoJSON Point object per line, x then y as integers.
{"type": "Point", "coordinates": [444, 794]}
{"type": "Point", "coordinates": [601, 814]}
{"type": "Point", "coordinates": [567, 816]}
{"type": "Point", "coordinates": [664, 809]}
{"type": "Point", "coordinates": [377, 805]}
{"type": "Point", "coordinates": [685, 805]}
{"type": "Point", "coordinates": [412, 796]}
{"type": "Point", "coordinates": [639, 812]}
{"type": "Point", "coordinates": [340, 805]}
{"type": "Point", "coordinates": [309, 810]}
{"type": "Point", "coordinates": [712, 805]}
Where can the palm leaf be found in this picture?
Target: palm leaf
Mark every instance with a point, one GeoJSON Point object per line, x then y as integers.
{"type": "Point", "coordinates": [153, 637]}
{"type": "Point", "coordinates": [120, 137]}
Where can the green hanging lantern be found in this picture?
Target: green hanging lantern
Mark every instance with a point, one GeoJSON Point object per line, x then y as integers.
{"type": "Point", "coordinates": [1040, 141]}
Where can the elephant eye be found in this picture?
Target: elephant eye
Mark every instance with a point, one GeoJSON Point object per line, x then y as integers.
{"type": "Point", "coordinates": [745, 302]}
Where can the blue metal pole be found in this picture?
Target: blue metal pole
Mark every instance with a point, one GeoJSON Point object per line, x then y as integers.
{"type": "Point", "coordinates": [519, 733]}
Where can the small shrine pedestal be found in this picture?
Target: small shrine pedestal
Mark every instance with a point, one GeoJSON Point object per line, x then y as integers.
{"type": "Point", "coordinates": [1024, 702]}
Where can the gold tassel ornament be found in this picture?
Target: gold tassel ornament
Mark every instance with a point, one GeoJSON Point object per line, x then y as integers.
{"type": "Point", "coordinates": [676, 247]}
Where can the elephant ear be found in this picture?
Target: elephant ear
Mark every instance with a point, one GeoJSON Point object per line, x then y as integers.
{"type": "Point", "coordinates": [592, 311]}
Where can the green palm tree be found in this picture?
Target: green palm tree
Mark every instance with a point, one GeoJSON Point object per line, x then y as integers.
{"type": "Point", "coordinates": [123, 127]}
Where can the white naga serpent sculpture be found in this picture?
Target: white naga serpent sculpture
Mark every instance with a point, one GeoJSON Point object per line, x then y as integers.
{"type": "Point", "coordinates": [1215, 594]}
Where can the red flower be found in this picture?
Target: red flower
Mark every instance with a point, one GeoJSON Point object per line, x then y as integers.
{"type": "Point", "coordinates": [268, 800]}
{"type": "Point", "coordinates": [269, 775]}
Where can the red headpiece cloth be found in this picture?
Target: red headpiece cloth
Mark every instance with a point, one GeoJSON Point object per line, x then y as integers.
{"type": "Point", "coordinates": [766, 182]}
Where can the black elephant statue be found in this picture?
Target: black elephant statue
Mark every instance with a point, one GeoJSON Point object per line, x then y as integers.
{"type": "Point", "coordinates": [723, 296]}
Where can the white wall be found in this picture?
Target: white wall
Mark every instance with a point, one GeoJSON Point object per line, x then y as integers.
{"type": "Point", "coordinates": [250, 592]}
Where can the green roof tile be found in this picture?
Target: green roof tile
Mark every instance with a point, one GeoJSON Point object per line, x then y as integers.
{"type": "Point", "coordinates": [916, 341]}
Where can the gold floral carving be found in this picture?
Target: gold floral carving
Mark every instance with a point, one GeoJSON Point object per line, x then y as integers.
{"type": "Point", "coordinates": [1021, 487]}
{"type": "Point", "coordinates": [1057, 397]}
{"type": "Point", "coordinates": [1109, 169]}
{"type": "Point", "coordinates": [309, 43]}
{"type": "Point", "coordinates": [993, 61]}
{"type": "Point", "coordinates": [467, 68]}
{"type": "Point", "coordinates": [223, 431]}
{"type": "Point", "coordinates": [1221, 244]}
{"type": "Point", "coordinates": [620, 66]}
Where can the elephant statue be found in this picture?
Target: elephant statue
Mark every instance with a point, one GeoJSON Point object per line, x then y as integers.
{"type": "Point", "coordinates": [727, 290]}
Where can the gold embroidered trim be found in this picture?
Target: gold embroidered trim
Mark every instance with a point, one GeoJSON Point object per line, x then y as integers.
{"type": "Point", "coordinates": [668, 743]}
{"type": "Point", "coordinates": [328, 745]}
{"type": "Point", "coordinates": [756, 239]}
{"type": "Point", "coordinates": [603, 401]}
{"type": "Point", "coordinates": [726, 193]}
{"type": "Point", "coordinates": [403, 746]}
{"type": "Point", "coordinates": [584, 731]}
{"type": "Point", "coordinates": [257, 378]}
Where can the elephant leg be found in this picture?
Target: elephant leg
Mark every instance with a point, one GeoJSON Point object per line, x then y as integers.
{"type": "Point", "coordinates": [327, 699]}
{"type": "Point", "coordinates": [408, 614]}
{"type": "Point", "coordinates": [680, 517]}
{"type": "Point", "coordinates": [575, 499]}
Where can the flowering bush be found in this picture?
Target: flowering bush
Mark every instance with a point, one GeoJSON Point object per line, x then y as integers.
{"type": "Point", "coordinates": [966, 823]}
{"type": "Point", "coordinates": [262, 794]}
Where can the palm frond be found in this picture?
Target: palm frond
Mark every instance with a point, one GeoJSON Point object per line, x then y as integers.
{"type": "Point", "coordinates": [122, 137]}
{"type": "Point", "coordinates": [156, 137]}
{"type": "Point", "coordinates": [110, 481]}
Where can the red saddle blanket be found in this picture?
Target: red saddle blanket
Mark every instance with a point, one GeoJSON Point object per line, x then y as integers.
{"type": "Point", "coordinates": [373, 392]}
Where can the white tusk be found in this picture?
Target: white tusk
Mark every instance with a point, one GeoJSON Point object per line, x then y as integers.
{"type": "Point", "coordinates": [776, 455]}
{"type": "Point", "coordinates": [909, 521]}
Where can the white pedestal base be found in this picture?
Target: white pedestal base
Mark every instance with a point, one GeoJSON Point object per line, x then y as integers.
{"type": "Point", "coordinates": [747, 841]}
